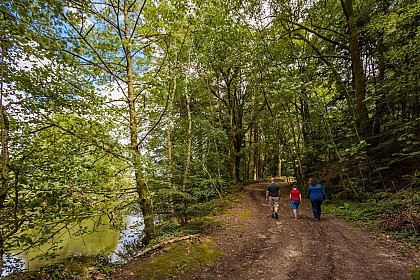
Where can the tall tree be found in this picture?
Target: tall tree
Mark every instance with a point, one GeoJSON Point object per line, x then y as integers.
{"type": "Point", "coordinates": [53, 148]}
{"type": "Point", "coordinates": [115, 42]}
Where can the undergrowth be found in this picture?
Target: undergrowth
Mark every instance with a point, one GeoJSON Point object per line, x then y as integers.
{"type": "Point", "coordinates": [396, 214]}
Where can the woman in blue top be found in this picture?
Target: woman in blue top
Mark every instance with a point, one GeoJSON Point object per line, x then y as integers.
{"type": "Point", "coordinates": [317, 195]}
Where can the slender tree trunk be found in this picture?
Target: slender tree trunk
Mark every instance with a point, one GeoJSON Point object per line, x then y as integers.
{"type": "Point", "coordinates": [219, 124]}
{"type": "Point", "coordinates": [305, 114]}
{"type": "Point", "coordinates": [4, 173]}
{"type": "Point", "coordinates": [255, 141]}
{"type": "Point", "coordinates": [189, 142]}
{"type": "Point", "coordinates": [295, 136]}
{"type": "Point", "coordinates": [256, 154]}
{"type": "Point", "coordinates": [4, 188]}
{"type": "Point", "coordinates": [279, 167]}
{"type": "Point", "coordinates": [231, 132]}
{"type": "Point", "coordinates": [172, 91]}
{"type": "Point", "coordinates": [238, 147]}
{"type": "Point", "coordinates": [239, 135]}
{"type": "Point", "coordinates": [141, 186]}
{"type": "Point", "coordinates": [380, 102]}
{"type": "Point", "coordinates": [233, 162]}
{"type": "Point", "coordinates": [362, 120]}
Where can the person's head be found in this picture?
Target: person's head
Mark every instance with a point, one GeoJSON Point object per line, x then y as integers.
{"type": "Point", "coordinates": [312, 181]}
{"type": "Point", "coordinates": [294, 185]}
{"type": "Point", "coordinates": [272, 180]}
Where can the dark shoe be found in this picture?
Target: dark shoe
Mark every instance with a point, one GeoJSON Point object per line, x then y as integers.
{"type": "Point", "coordinates": [272, 215]}
{"type": "Point", "coordinates": [277, 216]}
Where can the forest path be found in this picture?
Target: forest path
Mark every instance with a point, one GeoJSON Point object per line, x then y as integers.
{"type": "Point", "coordinates": [259, 247]}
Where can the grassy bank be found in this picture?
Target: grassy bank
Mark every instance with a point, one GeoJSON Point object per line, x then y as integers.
{"type": "Point", "coordinates": [178, 258]}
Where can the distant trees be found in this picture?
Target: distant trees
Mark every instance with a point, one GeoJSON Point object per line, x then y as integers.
{"type": "Point", "coordinates": [343, 57]}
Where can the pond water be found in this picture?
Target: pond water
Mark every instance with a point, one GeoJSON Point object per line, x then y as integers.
{"type": "Point", "coordinates": [112, 242]}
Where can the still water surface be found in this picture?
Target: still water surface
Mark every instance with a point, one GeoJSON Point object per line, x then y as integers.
{"type": "Point", "coordinates": [104, 239]}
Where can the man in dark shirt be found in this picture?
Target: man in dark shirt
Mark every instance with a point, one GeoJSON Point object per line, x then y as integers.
{"type": "Point", "coordinates": [272, 196]}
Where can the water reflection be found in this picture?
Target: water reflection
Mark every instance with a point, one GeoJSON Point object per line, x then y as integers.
{"type": "Point", "coordinates": [12, 264]}
{"type": "Point", "coordinates": [115, 243]}
{"type": "Point", "coordinates": [130, 240]}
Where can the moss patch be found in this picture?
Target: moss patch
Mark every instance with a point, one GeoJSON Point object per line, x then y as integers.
{"type": "Point", "coordinates": [245, 214]}
{"type": "Point", "coordinates": [183, 257]}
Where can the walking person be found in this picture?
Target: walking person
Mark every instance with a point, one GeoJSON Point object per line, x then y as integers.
{"type": "Point", "coordinates": [272, 196]}
{"type": "Point", "coordinates": [317, 195]}
{"type": "Point", "coordinates": [295, 199]}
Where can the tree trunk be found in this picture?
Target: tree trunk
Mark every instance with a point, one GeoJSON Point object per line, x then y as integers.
{"type": "Point", "coordinates": [362, 118]}
{"type": "Point", "coordinates": [189, 142]}
{"type": "Point", "coordinates": [4, 188]}
{"type": "Point", "coordinates": [4, 171]}
{"type": "Point", "coordinates": [172, 91]}
{"type": "Point", "coordinates": [141, 185]}
{"type": "Point", "coordinates": [279, 167]}
{"type": "Point", "coordinates": [380, 102]}
{"type": "Point", "coordinates": [256, 154]}
{"type": "Point", "coordinates": [255, 141]}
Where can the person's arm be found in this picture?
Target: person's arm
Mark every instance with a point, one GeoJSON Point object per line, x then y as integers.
{"type": "Point", "coordinates": [323, 192]}
{"type": "Point", "coordinates": [300, 197]}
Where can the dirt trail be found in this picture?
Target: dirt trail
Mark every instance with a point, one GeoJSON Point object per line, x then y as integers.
{"type": "Point", "coordinates": [259, 247]}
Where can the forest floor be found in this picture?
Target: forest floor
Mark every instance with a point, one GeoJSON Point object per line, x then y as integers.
{"type": "Point", "coordinates": [260, 247]}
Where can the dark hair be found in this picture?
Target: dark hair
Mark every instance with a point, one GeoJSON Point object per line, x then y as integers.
{"type": "Point", "coordinates": [313, 181]}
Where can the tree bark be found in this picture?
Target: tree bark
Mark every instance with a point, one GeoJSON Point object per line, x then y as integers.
{"type": "Point", "coordinates": [141, 186]}
{"type": "Point", "coordinates": [189, 142]}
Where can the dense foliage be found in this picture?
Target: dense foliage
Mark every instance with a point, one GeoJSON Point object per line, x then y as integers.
{"type": "Point", "coordinates": [164, 105]}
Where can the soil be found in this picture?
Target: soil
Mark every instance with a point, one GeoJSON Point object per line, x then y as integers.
{"type": "Point", "coordinates": [260, 247]}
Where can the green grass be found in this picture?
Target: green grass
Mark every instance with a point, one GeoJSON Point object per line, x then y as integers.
{"type": "Point", "coordinates": [183, 257]}
{"type": "Point", "coordinates": [415, 273]}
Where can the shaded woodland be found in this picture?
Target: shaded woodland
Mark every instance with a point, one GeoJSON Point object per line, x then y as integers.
{"type": "Point", "coordinates": [163, 107]}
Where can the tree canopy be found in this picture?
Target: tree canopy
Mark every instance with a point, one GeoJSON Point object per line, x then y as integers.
{"type": "Point", "coordinates": [165, 105]}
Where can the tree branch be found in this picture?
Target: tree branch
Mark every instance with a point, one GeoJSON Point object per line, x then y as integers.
{"type": "Point", "coordinates": [343, 46]}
